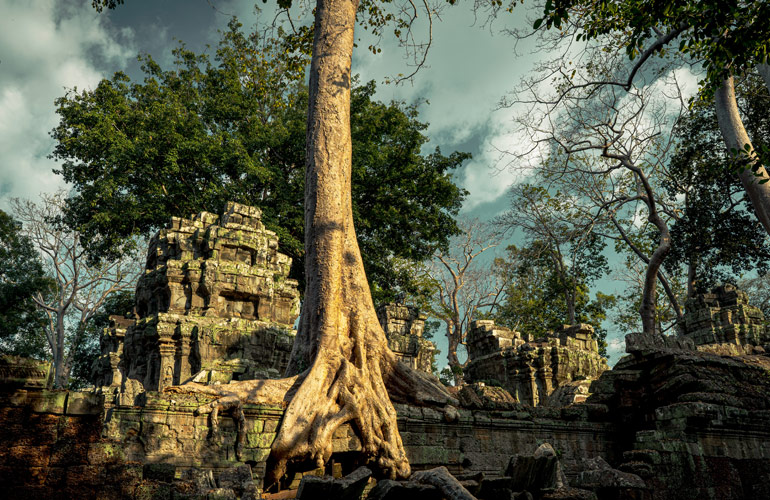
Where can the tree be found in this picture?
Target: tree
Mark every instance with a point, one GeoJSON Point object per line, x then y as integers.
{"type": "Point", "coordinates": [340, 350]}
{"type": "Point", "coordinates": [558, 233]}
{"type": "Point", "coordinates": [78, 288]}
{"type": "Point", "coordinates": [726, 40]}
{"type": "Point", "coordinates": [207, 132]}
{"type": "Point", "coordinates": [463, 287]}
{"type": "Point", "coordinates": [714, 234]}
{"type": "Point", "coordinates": [535, 301]}
{"type": "Point", "coordinates": [21, 279]}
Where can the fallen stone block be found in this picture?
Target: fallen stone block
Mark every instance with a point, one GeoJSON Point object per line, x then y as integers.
{"type": "Point", "coordinates": [202, 479]}
{"type": "Point", "coordinates": [609, 483]}
{"type": "Point", "coordinates": [388, 489]}
{"type": "Point", "coordinates": [350, 487]}
{"type": "Point", "coordinates": [237, 478]}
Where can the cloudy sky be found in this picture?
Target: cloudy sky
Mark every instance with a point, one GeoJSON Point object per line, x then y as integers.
{"type": "Point", "coordinates": [48, 47]}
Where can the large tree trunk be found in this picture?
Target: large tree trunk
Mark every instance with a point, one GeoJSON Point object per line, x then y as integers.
{"type": "Point", "coordinates": [735, 137]}
{"type": "Point", "coordinates": [340, 363]}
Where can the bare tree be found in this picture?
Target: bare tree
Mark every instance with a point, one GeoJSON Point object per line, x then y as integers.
{"type": "Point", "coordinates": [607, 144]}
{"type": "Point", "coordinates": [557, 228]}
{"type": "Point", "coordinates": [79, 287]}
{"type": "Point", "coordinates": [464, 285]}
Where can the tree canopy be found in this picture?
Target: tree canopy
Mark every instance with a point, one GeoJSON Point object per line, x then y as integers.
{"type": "Point", "coordinates": [727, 38]}
{"type": "Point", "coordinates": [21, 277]}
{"type": "Point", "coordinates": [713, 233]}
{"type": "Point", "coordinates": [233, 128]}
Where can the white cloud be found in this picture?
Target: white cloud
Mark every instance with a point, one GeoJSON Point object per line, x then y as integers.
{"type": "Point", "coordinates": [616, 348]}
{"type": "Point", "coordinates": [46, 47]}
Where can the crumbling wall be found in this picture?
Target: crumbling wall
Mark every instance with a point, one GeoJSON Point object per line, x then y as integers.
{"type": "Point", "coordinates": [404, 326]}
{"type": "Point", "coordinates": [532, 370]}
{"type": "Point", "coordinates": [724, 316]}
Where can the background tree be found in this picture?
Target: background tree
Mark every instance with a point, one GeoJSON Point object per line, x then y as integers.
{"type": "Point", "coordinates": [463, 286]}
{"type": "Point", "coordinates": [535, 301]}
{"type": "Point", "coordinates": [559, 236]}
{"type": "Point", "coordinates": [726, 41]}
{"type": "Point", "coordinates": [607, 146]}
{"type": "Point", "coordinates": [78, 288]}
{"type": "Point", "coordinates": [22, 277]}
{"type": "Point", "coordinates": [232, 128]}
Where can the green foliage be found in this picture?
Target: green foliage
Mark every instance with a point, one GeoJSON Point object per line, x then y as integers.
{"type": "Point", "coordinates": [727, 38]}
{"type": "Point", "coordinates": [716, 231]}
{"type": "Point", "coordinates": [535, 301]}
{"type": "Point", "coordinates": [549, 278]}
{"type": "Point", "coordinates": [21, 277]}
{"type": "Point", "coordinates": [450, 374]}
{"type": "Point", "coordinates": [205, 132]}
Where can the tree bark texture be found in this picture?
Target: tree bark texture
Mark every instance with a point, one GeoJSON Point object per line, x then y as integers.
{"type": "Point", "coordinates": [735, 137]}
{"type": "Point", "coordinates": [341, 368]}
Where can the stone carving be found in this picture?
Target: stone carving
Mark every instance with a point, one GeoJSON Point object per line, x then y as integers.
{"type": "Point", "coordinates": [106, 369]}
{"type": "Point", "coordinates": [25, 373]}
{"type": "Point", "coordinates": [724, 316]}
{"type": "Point", "coordinates": [403, 327]}
{"type": "Point", "coordinates": [215, 300]}
{"type": "Point", "coordinates": [532, 370]}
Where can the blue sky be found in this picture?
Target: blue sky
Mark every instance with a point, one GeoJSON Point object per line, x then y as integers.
{"type": "Point", "coordinates": [50, 46]}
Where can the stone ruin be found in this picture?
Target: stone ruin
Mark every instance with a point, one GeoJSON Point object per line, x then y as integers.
{"type": "Point", "coordinates": [678, 417]}
{"type": "Point", "coordinates": [724, 316]}
{"type": "Point", "coordinates": [215, 302]}
{"type": "Point", "coordinates": [404, 326]}
{"type": "Point", "coordinates": [559, 367]}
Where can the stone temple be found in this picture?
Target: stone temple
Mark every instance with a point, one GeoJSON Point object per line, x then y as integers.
{"type": "Point", "coordinates": [531, 371]}
{"type": "Point", "coordinates": [215, 301]}
{"type": "Point", "coordinates": [682, 417]}
{"type": "Point", "coordinates": [404, 326]}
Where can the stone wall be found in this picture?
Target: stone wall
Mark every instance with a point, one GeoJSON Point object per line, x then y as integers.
{"type": "Point", "coordinates": [63, 445]}
{"type": "Point", "coordinates": [692, 424]}
{"type": "Point", "coordinates": [695, 421]}
{"type": "Point", "coordinates": [215, 300]}
{"type": "Point", "coordinates": [404, 326]}
{"type": "Point", "coordinates": [533, 370]}
{"type": "Point", "coordinates": [724, 316]}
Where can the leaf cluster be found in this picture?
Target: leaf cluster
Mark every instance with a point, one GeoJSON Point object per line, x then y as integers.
{"type": "Point", "coordinates": [21, 276]}
{"type": "Point", "coordinates": [716, 230]}
{"type": "Point", "coordinates": [726, 37]}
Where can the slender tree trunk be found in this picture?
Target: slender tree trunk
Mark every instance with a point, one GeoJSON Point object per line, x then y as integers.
{"type": "Point", "coordinates": [454, 337]}
{"type": "Point", "coordinates": [569, 296]}
{"type": "Point", "coordinates": [58, 355]}
{"type": "Point", "coordinates": [661, 277]}
{"type": "Point", "coordinates": [735, 137]}
{"type": "Point", "coordinates": [691, 276]}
